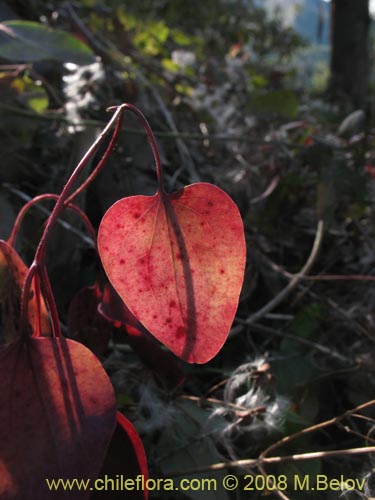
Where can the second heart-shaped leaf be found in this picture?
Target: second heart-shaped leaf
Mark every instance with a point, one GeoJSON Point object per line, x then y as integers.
{"type": "Point", "coordinates": [57, 417]}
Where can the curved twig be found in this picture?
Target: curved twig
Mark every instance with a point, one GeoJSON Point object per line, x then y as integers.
{"type": "Point", "coordinates": [294, 281]}
{"type": "Point", "coordinates": [316, 427]}
{"type": "Point", "coordinates": [301, 340]}
{"type": "Point", "coordinates": [40, 254]}
{"type": "Point", "coordinates": [89, 240]}
{"type": "Point", "coordinates": [328, 301]}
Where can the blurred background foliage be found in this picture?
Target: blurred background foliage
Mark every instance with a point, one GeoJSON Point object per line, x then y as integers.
{"type": "Point", "coordinates": [235, 92]}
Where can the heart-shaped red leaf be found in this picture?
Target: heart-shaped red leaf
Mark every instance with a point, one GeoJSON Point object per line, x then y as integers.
{"type": "Point", "coordinates": [126, 459]}
{"type": "Point", "coordinates": [57, 417]}
{"type": "Point", "coordinates": [177, 261]}
{"type": "Point", "coordinates": [12, 277]}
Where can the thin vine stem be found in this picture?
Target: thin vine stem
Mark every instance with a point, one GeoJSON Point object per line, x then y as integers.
{"type": "Point", "coordinates": [102, 161]}
{"type": "Point", "coordinates": [340, 277]}
{"type": "Point", "coordinates": [38, 306]}
{"type": "Point", "coordinates": [36, 272]}
{"type": "Point", "coordinates": [316, 427]}
{"type": "Point", "coordinates": [26, 296]}
{"type": "Point", "coordinates": [38, 264]}
{"type": "Point", "coordinates": [21, 214]}
{"type": "Point", "coordinates": [152, 141]}
{"type": "Point", "coordinates": [150, 136]}
{"type": "Point", "coordinates": [48, 196]}
{"type": "Point", "coordinates": [65, 193]}
{"type": "Point", "coordinates": [65, 198]}
{"type": "Point", "coordinates": [50, 302]}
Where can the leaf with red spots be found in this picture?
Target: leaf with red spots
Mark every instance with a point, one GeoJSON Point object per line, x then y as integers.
{"type": "Point", "coordinates": [177, 261]}
{"type": "Point", "coordinates": [126, 459]}
{"type": "Point", "coordinates": [165, 367]}
{"type": "Point", "coordinates": [57, 417]}
{"type": "Point", "coordinates": [85, 324]}
{"type": "Point", "coordinates": [12, 276]}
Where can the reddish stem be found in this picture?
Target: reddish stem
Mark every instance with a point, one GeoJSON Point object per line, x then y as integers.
{"type": "Point", "coordinates": [102, 161]}
{"type": "Point", "coordinates": [21, 215]}
{"type": "Point", "coordinates": [38, 307]}
{"type": "Point", "coordinates": [38, 266]}
{"type": "Point", "coordinates": [150, 136]}
{"type": "Point", "coordinates": [26, 296]}
{"type": "Point", "coordinates": [41, 250]}
{"type": "Point", "coordinates": [40, 255]}
{"type": "Point", "coordinates": [27, 285]}
{"type": "Point", "coordinates": [42, 197]}
{"type": "Point", "coordinates": [152, 141]}
{"type": "Point", "coordinates": [50, 302]}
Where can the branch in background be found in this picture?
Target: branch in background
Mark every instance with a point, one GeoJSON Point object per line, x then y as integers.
{"type": "Point", "coordinates": [344, 314]}
{"type": "Point", "coordinates": [328, 301]}
{"type": "Point", "coordinates": [267, 192]}
{"type": "Point", "coordinates": [340, 277]}
{"type": "Point", "coordinates": [256, 462]}
{"type": "Point", "coordinates": [313, 345]}
{"type": "Point", "coordinates": [316, 427]}
{"type": "Point", "coordinates": [296, 279]}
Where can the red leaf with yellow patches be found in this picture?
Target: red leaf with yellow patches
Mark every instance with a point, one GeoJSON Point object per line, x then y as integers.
{"type": "Point", "coordinates": [177, 261]}
{"type": "Point", "coordinates": [12, 277]}
{"type": "Point", "coordinates": [57, 417]}
{"type": "Point", "coordinates": [125, 460]}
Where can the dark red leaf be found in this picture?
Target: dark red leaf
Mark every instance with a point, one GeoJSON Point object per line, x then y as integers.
{"type": "Point", "coordinates": [126, 459]}
{"type": "Point", "coordinates": [177, 261]}
{"type": "Point", "coordinates": [57, 417]}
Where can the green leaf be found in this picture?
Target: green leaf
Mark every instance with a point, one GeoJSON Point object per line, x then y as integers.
{"type": "Point", "coordinates": [31, 94]}
{"type": "Point", "coordinates": [259, 81]}
{"type": "Point", "coordinates": [181, 38]}
{"type": "Point", "coordinates": [169, 65]}
{"type": "Point", "coordinates": [27, 41]}
{"type": "Point", "coordinates": [183, 89]}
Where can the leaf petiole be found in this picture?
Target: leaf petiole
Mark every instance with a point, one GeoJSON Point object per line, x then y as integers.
{"type": "Point", "coordinates": [38, 265]}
